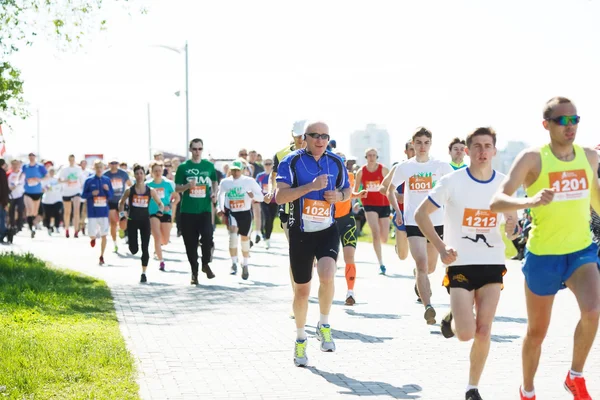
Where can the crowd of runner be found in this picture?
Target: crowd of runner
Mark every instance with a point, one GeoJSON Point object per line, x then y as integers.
{"type": "Point", "coordinates": [437, 209]}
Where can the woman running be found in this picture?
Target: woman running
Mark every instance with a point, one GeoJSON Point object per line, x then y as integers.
{"type": "Point", "coordinates": [52, 201]}
{"type": "Point", "coordinates": [139, 218]}
{"type": "Point", "coordinates": [161, 224]}
{"type": "Point", "coordinates": [34, 174]}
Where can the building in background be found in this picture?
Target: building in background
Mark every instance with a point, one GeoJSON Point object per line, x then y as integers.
{"type": "Point", "coordinates": [504, 159]}
{"type": "Point", "coordinates": [371, 136]}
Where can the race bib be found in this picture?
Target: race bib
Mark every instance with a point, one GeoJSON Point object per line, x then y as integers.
{"type": "Point", "coordinates": [316, 211]}
{"type": "Point", "coordinates": [265, 188]}
{"type": "Point", "coordinates": [160, 192]}
{"type": "Point", "coordinates": [117, 184]}
{"type": "Point", "coordinates": [569, 185]}
{"type": "Point", "coordinates": [420, 183]}
{"type": "Point", "coordinates": [198, 192]}
{"type": "Point", "coordinates": [235, 205]}
{"type": "Point", "coordinates": [32, 181]}
{"type": "Point", "coordinates": [140, 201]}
{"type": "Point", "coordinates": [99, 201]}
{"type": "Point", "coordinates": [372, 186]}
{"type": "Point", "coordinates": [479, 221]}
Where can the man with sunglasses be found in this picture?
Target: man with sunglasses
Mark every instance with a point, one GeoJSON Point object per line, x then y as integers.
{"type": "Point", "coordinates": [120, 181]}
{"type": "Point", "coordinates": [312, 180]}
{"type": "Point", "coordinates": [197, 180]}
{"type": "Point", "coordinates": [561, 183]}
{"type": "Point", "coordinates": [268, 208]}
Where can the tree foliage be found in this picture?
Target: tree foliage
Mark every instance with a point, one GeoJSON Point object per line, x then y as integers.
{"type": "Point", "coordinates": [22, 21]}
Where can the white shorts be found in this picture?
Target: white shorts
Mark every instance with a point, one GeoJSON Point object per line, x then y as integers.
{"type": "Point", "coordinates": [98, 227]}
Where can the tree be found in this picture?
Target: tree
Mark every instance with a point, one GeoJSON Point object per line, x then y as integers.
{"type": "Point", "coordinates": [21, 21]}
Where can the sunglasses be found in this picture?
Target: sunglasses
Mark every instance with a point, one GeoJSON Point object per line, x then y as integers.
{"type": "Point", "coordinates": [197, 148]}
{"type": "Point", "coordinates": [565, 120]}
{"type": "Point", "coordinates": [168, 166]}
{"type": "Point", "coordinates": [323, 136]}
{"type": "Point", "coordinates": [269, 163]}
{"type": "Point", "coordinates": [243, 154]}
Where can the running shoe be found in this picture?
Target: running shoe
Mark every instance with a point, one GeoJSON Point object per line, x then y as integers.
{"type": "Point", "coordinates": [93, 242]}
{"type": "Point", "coordinates": [429, 315]}
{"type": "Point", "coordinates": [206, 269]}
{"type": "Point", "coordinates": [76, 234]}
{"type": "Point", "coordinates": [350, 300]}
{"type": "Point", "coordinates": [82, 231]}
{"type": "Point", "coordinates": [267, 244]}
{"type": "Point", "coordinates": [257, 239]}
{"type": "Point", "coordinates": [32, 234]}
{"type": "Point", "coordinates": [292, 316]}
{"type": "Point", "coordinates": [577, 388]}
{"type": "Point", "coordinates": [162, 266]}
{"type": "Point", "coordinates": [101, 261]}
{"type": "Point", "coordinates": [143, 279]}
{"type": "Point", "coordinates": [300, 358]}
{"type": "Point", "coordinates": [446, 326]}
{"type": "Point", "coordinates": [116, 250]}
{"type": "Point", "coordinates": [251, 244]}
{"type": "Point", "coordinates": [473, 394]}
{"type": "Point", "coordinates": [417, 293]}
{"type": "Point", "coordinates": [121, 233]}
{"type": "Point", "coordinates": [49, 231]}
{"type": "Point", "coordinates": [67, 234]}
{"type": "Point", "coordinates": [233, 269]}
{"type": "Point", "coordinates": [382, 269]}
{"type": "Point", "coordinates": [194, 280]}
{"type": "Point", "coordinates": [525, 398]}
{"type": "Point", "coordinates": [324, 336]}
{"type": "Point", "coordinates": [245, 272]}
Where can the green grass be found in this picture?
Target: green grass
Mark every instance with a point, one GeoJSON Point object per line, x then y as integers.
{"type": "Point", "coordinates": [59, 335]}
{"type": "Point", "coordinates": [367, 238]}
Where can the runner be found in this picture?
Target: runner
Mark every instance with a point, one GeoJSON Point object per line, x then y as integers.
{"type": "Point", "coordinates": [175, 162]}
{"type": "Point", "coordinates": [119, 180]}
{"type": "Point", "coordinates": [161, 224]}
{"type": "Point", "coordinates": [268, 207]}
{"type": "Point", "coordinates": [52, 201]}
{"type": "Point", "coordinates": [303, 180]}
{"type": "Point", "coordinates": [376, 205]}
{"type": "Point", "coordinates": [421, 174]}
{"type": "Point", "coordinates": [256, 207]}
{"type": "Point", "coordinates": [138, 217]}
{"type": "Point", "coordinates": [346, 225]}
{"type": "Point", "coordinates": [474, 273]}
{"type": "Point", "coordinates": [16, 184]}
{"type": "Point", "coordinates": [456, 149]}
{"type": "Point", "coordinates": [236, 194]}
{"type": "Point", "coordinates": [72, 178]}
{"type": "Point", "coordinates": [561, 184]}
{"type": "Point", "coordinates": [97, 189]}
{"type": "Point", "coordinates": [83, 208]}
{"type": "Point", "coordinates": [34, 174]}
{"type": "Point", "coordinates": [197, 179]}
{"type": "Point", "coordinates": [397, 196]}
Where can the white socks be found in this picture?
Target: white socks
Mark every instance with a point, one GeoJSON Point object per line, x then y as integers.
{"type": "Point", "coordinates": [470, 387]}
{"type": "Point", "coordinates": [324, 319]}
{"type": "Point", "coordinates": [300, 334]}
{"type": "Point", "coordinates": [573, 374]}
{"type": "Point", "coordinates": [234, 260]}
{"type": "Point", "coordinates": [245, 261]}
{"type": "Point", "coordinates": [528, 395]}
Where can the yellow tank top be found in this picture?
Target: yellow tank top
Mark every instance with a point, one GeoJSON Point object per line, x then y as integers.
{"type": "Point", "coordinates": [563, 226]}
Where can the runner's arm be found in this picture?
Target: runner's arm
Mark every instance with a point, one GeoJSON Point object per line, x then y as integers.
{"type": "Point", "coordinates": [287, 194]}
{"type": "Point", "coordinates": [221, 202]}
{"type": "Point", "coordinates": [592, 156]}
{"type": "Point", "coordinates": [357, 181]}
{"type": "Point", "coordinates": [158, 200]}
{"type": "Point", "coordinates": [512, 215]}
{"type": "Point", "coordinates": [503, 201]}
{"type": "Point", "coordinates": [257, 191]}
{"type": "Point", "coordinates": [426, 226]}
{"type": "Point", "coordinates": [383, 188]}
{"type": "Point", "coordinates": [86, 193]}
{"type": "Point", "coordinates": [123, 199]}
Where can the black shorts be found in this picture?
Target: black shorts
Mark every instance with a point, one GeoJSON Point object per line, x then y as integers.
{"type": "Point", "coordinates": [113, 206]}
{"type": "Point", "coordinates": [382, 211]}
{"type": "Point", "coordinates": [70, 198]}
{"type": "Point", "coordinates": [164, 219]}
{"type": "Point", "coordinates": [412, 230]}
{"type": "Point", "coordinates": [34, 196]}
{"type": "Point", "coordinates": [347, 230]}
{"type": "Point", "coordinates": [241, 219]}
{"type": "Point", "coordinates": [306, 246]}
{"type": "Point", "coordinates": [473, 277]}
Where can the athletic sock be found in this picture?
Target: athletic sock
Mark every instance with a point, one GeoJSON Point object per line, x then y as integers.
{"type": "Point", "coordinates": [324, 319]}
{"type": "Point", "coordinates": [350, 275]}
{"type": "Point", "coordinates": [234, 259]}
{"type": "Point", "coordinates": [573, 374]}
{"type": "Point", "coordinates": [300, 333]}
{"type": "Point", "coordinates": [30, 222]}
{"type": "Point", "coordinates": [470, 387]}
{"type": "Point", "coordinates": [529, 395]}
{"type": "Point", "coordinates": [245, 261]}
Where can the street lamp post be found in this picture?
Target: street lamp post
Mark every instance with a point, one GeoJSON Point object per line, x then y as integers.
{"type": "Point", "coordinates": [187, 98]}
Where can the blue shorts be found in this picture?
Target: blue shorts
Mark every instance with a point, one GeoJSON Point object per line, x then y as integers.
{"type": "Point", "coordinates": [546, 275]}
{"type": "Point", "coordinates": [401, 227]}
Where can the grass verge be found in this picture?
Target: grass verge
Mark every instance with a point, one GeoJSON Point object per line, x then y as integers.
{"type": "Point", "coordinates": [59, 335]}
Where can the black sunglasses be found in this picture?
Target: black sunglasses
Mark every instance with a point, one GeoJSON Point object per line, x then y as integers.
{"type": "Point", "coordinates": [197, 148]}
{"type": "Point", "coordinates": [324, 136]}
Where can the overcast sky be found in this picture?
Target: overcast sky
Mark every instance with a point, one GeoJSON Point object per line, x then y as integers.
{"type": "Point", "coordinates": [257, 66]}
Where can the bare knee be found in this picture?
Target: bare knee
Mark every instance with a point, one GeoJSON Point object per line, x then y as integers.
{"type": "Point", "coordinates": [483, 331]}
{"type": "Point", "coordinates": [465, 333]}
{"type": "Point", "coordinates": [591, 314]}
{"type": "Point", "coordinates": [536, 335]}
{"type": "Point", "coordinates": [301, 291]}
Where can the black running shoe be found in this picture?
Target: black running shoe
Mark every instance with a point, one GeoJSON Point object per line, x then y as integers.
{"type": "Point", "coordinates": [473, 394]}
{"type": "Point", "coordinates": [233, 269]}
{"type": "Point", "coordinates": [257, 239]}
{"type": "Point", "coordinates": [206, 269]}
{"type": "Point", "coordinates": [446, 328]}
{"type": "Point", "coordinates": [143, 279]}
{"type": "Point", "coordinates": [417, 293]}
{"type": "Point", "coordinates": [194, 280]}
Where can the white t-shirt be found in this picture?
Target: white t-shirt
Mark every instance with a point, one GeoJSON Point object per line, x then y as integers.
{"type": "Point", "coordinates": [469, 225]}
{"type": "Point", "coordinates": [75, 179]}
{"type": "Point", "coordinates": [53, 193]}
{"type": "Point", "coordinates": [16, 180]}
{"type": "Point", "coordinates": [233, 193]}
{"type": "Point", "coordinates": [420, 178]}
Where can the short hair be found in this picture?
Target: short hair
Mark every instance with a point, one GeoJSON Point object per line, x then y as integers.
{"type": "Point", "coordinates": [71, 156]}
{"type": "Point", "coordinates": [551, 105]}
{"type": "Point", "coordinates": [481, 132]}
{"type": "Point", "coordinates": [371, 149]}
{"type": "Point", "coordinates": [2, 162]}
{"type": "Point", "coordinates": [407, 145]}
{"type": "Point", "coordinates": [421, 131]}
{"type": "Point", "coordinates": [137, 167]}
{"type": "Point", "coordinates": [252, 151]}
{"type": "Point", "coordinates": [155, 163]}
{"type": "Point", "coordinates": [98, 162]}
{"type": "Point", "coordinates": [158, 153]}
{"type": "Point", "coordinates": [456, 141]}
{"type": "Point", "coordinates": [196, 140]}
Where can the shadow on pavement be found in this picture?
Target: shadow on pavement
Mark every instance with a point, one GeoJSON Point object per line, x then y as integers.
{"type": "Point", "coordinates": [174, 271]}
{"type": "Point", "coordinates": [345, 335]}
{"type": "Point", "coordinates": [252, 283]}
{"type": "Point", "coordinates": [504, 338]}
{"type": "Point", "coordinates": [398, 276]}
{"type": "Point", "coordinates": [373, 316]}
{"type": "Point", "coordinates": [355, 387]}
{"type": "Point", "coordinates": [315, 300]}
{"type": "Point", "coordinates": [510, 319]}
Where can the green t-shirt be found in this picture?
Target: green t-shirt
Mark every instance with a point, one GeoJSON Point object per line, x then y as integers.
{"type": "Point", "coordinates": [196, 200]}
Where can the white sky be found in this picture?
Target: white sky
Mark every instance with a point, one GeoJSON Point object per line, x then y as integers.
{"type": "Point", "coordinates": [256, 66]}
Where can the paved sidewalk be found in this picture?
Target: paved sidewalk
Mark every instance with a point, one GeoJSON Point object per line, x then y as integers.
{"type": "Point", "coordinates": [233, 339]}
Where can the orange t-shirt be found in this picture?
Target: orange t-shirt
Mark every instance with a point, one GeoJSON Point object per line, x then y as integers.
{"type": "Point", "coordinates": [343, 207]}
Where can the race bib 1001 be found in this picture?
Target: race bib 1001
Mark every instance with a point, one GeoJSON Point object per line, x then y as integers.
{"type": "Point", "coordinates": [420, 183]}
{"type": "Point", "coordinates": [479, 221]}
{"type": "Point", "coordinates": [569, 185]}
